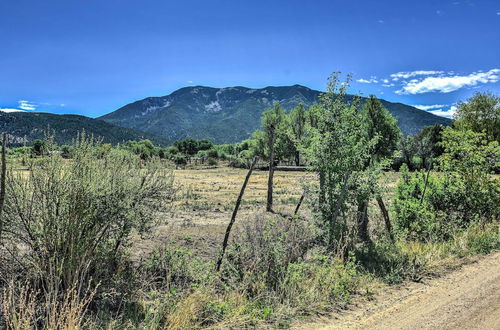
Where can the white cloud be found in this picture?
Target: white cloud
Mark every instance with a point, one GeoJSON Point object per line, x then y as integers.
{"type": "Point", "coordinates": [388, 85]}
{"type": "Point", "coordinates": [449, 84]}
{"type": "Point", "coordinates": [189, 81]}
{"type": "Point", "coordinates": [408, 74]}
{"type": "Point", "coordinates": [381, 21]}
{"type": "Point", "coordinates": [445, 113]}
{"type": "Point", "coordinates": [10, 110]}
{"type": "Point", "coordinates": [26, 105]}
{"type": "Point", "coordinates": [372, 79]}
{"type": "Point", "coordinates": [498, 13]}
{"type": "Point", "coordinates": [429, 107]}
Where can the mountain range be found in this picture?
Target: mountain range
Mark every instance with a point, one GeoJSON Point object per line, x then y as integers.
{"type": "Point", "coordinates": [222, 115]}
{"type": "Point", "coordinates": [28, 126]}
{"type": "Point", "coordinates": [228, 115]}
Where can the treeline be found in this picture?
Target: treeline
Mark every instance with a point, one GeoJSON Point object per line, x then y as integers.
{"type": "Point", "coordinates": [291, 135]}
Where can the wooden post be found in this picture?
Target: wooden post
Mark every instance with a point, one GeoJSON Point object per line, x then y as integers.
{"type": "Point", "coordinates": [233, 217]}
{"type": "Point", "coordinates": [426, 181]}
{"type": "Point", "coordinates": [269, 205]}
{"type": "Point", "coordinates": [300, 203]}
{"type": "Point", "coordinates": [385, 214]}
{"type": "Point", "coordinates": [2, 179]}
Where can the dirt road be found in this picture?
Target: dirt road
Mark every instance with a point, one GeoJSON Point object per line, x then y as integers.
{"type": "Point", "coordinates": [465, 298]}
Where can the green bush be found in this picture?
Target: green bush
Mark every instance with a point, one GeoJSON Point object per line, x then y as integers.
{"type": "Point", "coordinates": [174, 270]}
{"type": "Point", "coordinates": [179, 159]}
{"type": "Point", "coordinates": [416, 218]}
{"type": "Point", "coordinates": [212, 161]}
{"type": "Point", "coordinates": [389, 261]}
{"type": "Point", "coordinates": [212, 153]}
{"type": "Point", "coordinates": [74, 219]}
{"type": "Point", "coordinates": [463, 192]}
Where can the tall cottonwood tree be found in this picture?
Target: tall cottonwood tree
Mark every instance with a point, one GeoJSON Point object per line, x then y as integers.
{"type": "Point", "coordinates": [272, 129]}
{"type": "Point", "coordinates": [338, 150]}
{"type": "Point", "coordinates": [382, 129]}
{"type": "Point", "coordinates": [481, 113]}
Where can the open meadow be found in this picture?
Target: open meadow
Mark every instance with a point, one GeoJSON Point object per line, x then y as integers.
{"type": "Point", "coordinates": [205, 199]}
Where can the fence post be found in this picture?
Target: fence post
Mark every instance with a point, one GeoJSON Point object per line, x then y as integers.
{"type": "Point", "coordinates": [235, 212]}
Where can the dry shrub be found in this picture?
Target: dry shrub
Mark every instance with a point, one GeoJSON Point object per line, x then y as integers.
{"type": "Point", "coordinates": [264, 248]}
{"type": "Point", "coordinates": [68, 312]}
{"type": "Point", "coordinates": [187, 312]}
{"type": "Point", "coordinates": [21, 306]}
{"type": "Point", "coordinates": [18, 307]}
{"type": "Point", "coordinates": [68, 221]}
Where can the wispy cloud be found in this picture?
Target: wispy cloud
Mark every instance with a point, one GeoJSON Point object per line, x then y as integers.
{"type": "Point", "coordinates": [429, 107]}
{"type": "Point", "coordinates": [372, 80]}
{"type": "Point", "coordinates": [408, 74]}
{"type": "Point", "coordinates": [447, 84]}
{"type": "Point", "coordinates": [26, 105]}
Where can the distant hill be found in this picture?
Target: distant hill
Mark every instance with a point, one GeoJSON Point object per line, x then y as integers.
{"type": "Point", "coordinates": [66, 127]}
{"type": "Point", "coordinates": [227, 115]}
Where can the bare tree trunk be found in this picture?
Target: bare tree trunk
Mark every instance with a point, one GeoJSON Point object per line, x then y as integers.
{"type": "Point", "coordinates": [235, 212]}
{"type": "Point", "coordinates": [2, 180]}
{"type": "Point", "coordinates": [363, 221]}
{"type": "Point", "coordinates": [269, 206]}
{"type": "Point", "coordinates": [385, 214]}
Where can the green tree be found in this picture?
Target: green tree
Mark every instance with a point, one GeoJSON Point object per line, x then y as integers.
{"type": "Point", "coordinates": [37, 148]}
{"type": "Point", "coordinates": [427, 144]}
{"type": "Point", "coordinates": [481, 113]}
{"type": "Point", "coordinates": [382, 128]}
{"type": "Point", "coordinates": [188, 146]}
{"type": "Point", "coordinates": [205, 145]}
{"type": "Point", "coordinates": [338, 151]}
{"type": "Point", "coordinates": [298, 117]}
{"type": "Point", "coordinates": [145, 148]}
{"type": "Point", "coordinates": [272, 122]}
{"type": "Point", "coordinates": [381, 124]}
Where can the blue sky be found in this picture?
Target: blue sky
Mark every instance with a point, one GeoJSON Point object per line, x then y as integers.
{"type": "Point", "coordinates": [91, 57]}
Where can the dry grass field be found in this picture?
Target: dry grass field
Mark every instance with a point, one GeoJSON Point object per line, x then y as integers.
{"type": "Point", "coordinates": [205, 200]}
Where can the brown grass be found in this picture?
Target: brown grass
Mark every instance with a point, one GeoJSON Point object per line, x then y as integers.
{"type": "Point", "coordinates": [206, 198]}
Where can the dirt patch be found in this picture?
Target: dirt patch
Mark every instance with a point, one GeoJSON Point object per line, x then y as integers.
{"type": "Point", "coordinates": [467, 297]}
